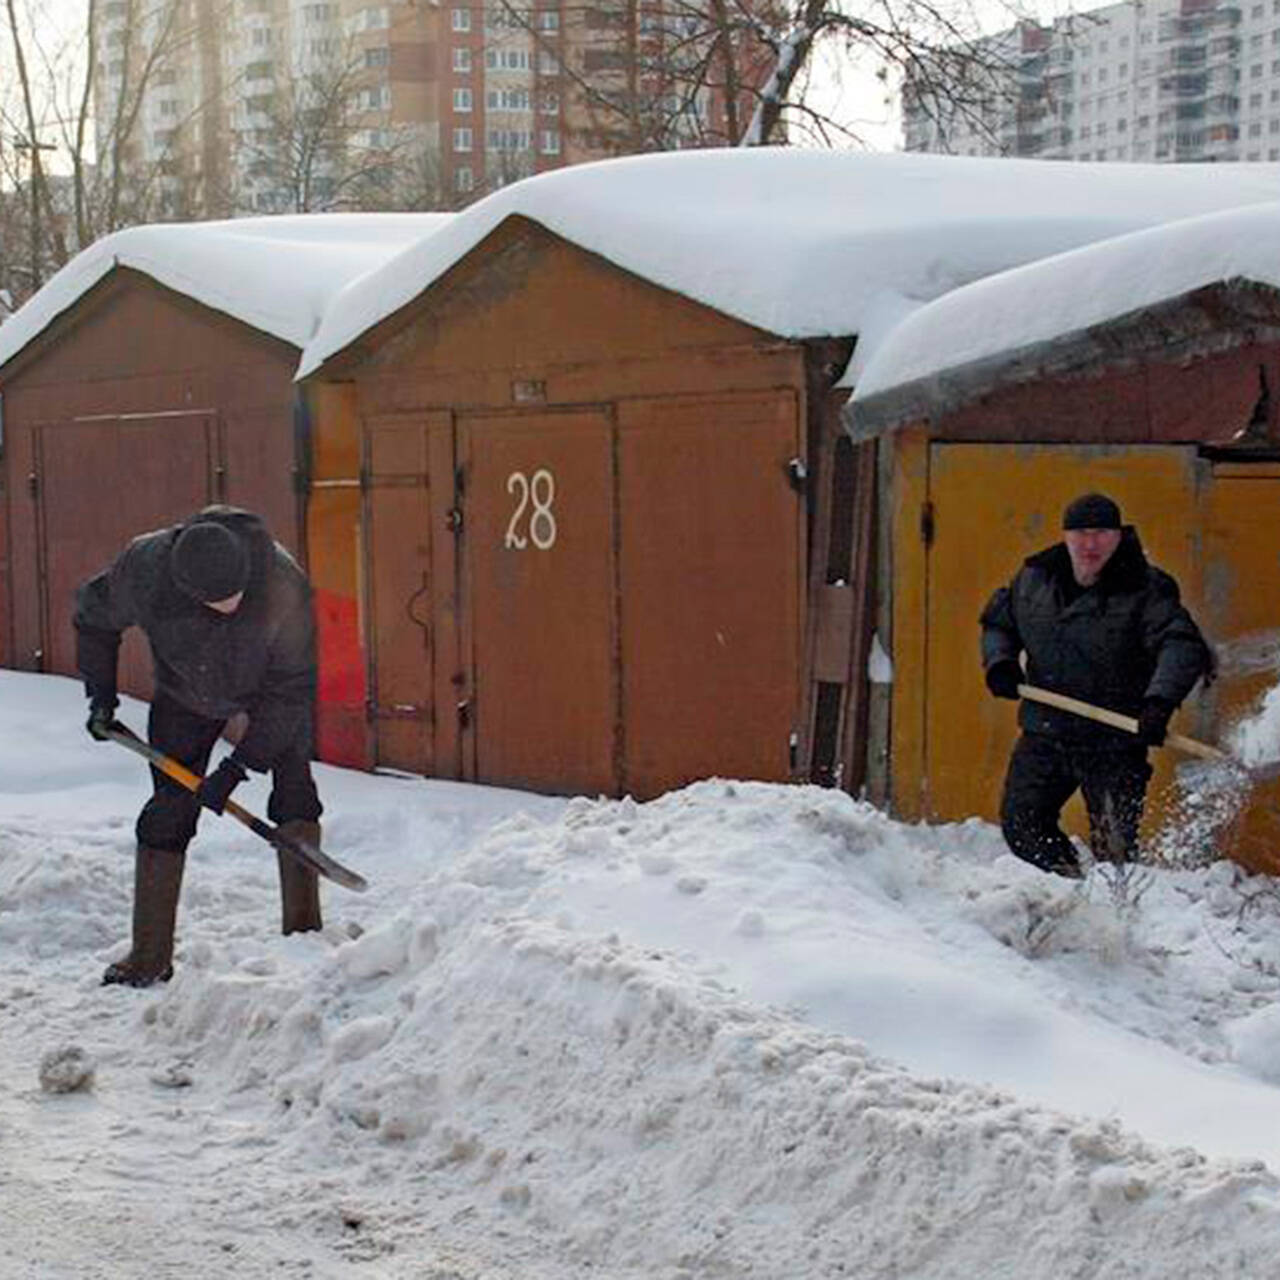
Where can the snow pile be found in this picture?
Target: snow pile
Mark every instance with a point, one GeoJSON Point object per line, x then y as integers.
{"type": "Point", "coordinates": [1255, 741]}
{"type": "Point", "coordinates": [743, 1030]}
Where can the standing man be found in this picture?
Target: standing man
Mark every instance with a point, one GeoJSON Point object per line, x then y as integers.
{"type": "Point", "coordinates": [1098, 623]}
{"type": "Point", "coordinates": [227, 612]}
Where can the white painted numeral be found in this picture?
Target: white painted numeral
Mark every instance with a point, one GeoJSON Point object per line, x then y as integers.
{"type": "Point", "coordinates": [540, 489]}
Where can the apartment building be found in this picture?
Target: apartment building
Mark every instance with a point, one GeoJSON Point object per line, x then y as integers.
{"type": "Point", "coordinates": [1170, 80]}
{"type": "Point", "coordinates": [221, 107]}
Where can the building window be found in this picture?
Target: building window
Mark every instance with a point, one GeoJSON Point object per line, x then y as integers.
{"type": "Point", "coordinates": [507, 100]}
{"type": "Point", "coordinates": [462, 139]}
{"type": "Point", "coordinates": [550, 104]}
{"type": "Point", "coordinates": [462, 60]}
{"type": "Point", "coordinates": [462, 19]}
{"type": "Point", "coordinates": [462, 99]}
{"type": "Point", "coordinates": [509, 140]}
{"type": "Point", "coordinates": [551, 142]}
{"type": "Point", "coordinates": [506, 59]}
{"type": "Point", "coordinates": [463, 180]}
{"type": "Point", "coordinates": [549, 19]}
{"type": "Point", "coordinates": [377, 57]}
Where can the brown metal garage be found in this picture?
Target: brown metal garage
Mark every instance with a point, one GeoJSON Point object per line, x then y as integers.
{"type": "Point", "coordinates": [587, 506]}
{"type": "Point", "coordinates": [152, 376]}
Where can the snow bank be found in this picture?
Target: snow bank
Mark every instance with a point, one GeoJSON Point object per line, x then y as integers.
{"type": "Point", "coordinates": [743, 1030]}
{"type": "Point", "coordinates": [646, 1120]}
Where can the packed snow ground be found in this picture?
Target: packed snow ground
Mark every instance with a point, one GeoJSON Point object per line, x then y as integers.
{"type": "Point", "coordinates": [741, 1031]}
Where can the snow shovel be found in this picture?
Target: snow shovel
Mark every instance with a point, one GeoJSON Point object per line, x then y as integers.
{"type": "Point", "coordinates": [304, 852]}
{"type": "Point", "coordinates": [1117, 720]}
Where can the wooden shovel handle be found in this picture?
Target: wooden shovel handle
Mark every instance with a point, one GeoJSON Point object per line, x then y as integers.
{"type": "Point", "coordinates": [1117, 720]}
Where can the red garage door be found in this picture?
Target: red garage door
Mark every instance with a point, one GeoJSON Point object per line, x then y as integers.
{"type": "Point", "coordinates": [100, 483]}
{"type": "Point", "coordinates": [538, 600]}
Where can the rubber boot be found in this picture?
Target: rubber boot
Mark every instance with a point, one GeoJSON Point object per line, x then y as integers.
{"type": "Point", "coordinates": [299, 885]}
{"type": "Point", "coordinates": [157, 881]}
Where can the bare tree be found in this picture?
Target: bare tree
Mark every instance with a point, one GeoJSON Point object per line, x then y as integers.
{"type": "Point", "coordinates": [739, 72]}
{"type": "Point", "coordinates": [316, 151]}
{"type": "Point", "coordinates": [72, 122]}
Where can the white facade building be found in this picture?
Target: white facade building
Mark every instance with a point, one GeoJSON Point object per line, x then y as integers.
{"type": "Point", "coordinates": [1171, 80]}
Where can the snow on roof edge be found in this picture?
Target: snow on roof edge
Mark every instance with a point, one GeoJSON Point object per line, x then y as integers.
{"type": "Point", "coordinates": [209, 263]}
{"type": "Point", "coordinates": [946, 391]}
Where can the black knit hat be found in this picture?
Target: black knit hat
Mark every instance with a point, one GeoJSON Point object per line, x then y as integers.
{"type": "Point", "coordinates": [209, 561]}
{"type": "Point", "coordinates": [1091, 511]}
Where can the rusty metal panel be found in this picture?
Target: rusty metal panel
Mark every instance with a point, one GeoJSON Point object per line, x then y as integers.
{"type": "Point", "coordinates": [404, 521]}
{"type": "Point", "coordinates": [539, 591]}
{"type": "Point", "coordinates": [833, 631]}
{"type": "Point", "coordinates": [255, 469]}
{"type": "Point", "coordinates": [162, 464]}
{"type": "Point", "coordinates": [25, 623]}
{"type": "Point", "coordinates": [335, 557]}
{"type": "Point", "coordinates": [712, 574]}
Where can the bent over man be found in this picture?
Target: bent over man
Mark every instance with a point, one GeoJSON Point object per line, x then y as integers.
{"type": "Point", "coordinates": [1095, 621]}
{"type": "Point", "coordinates": [228, 615]}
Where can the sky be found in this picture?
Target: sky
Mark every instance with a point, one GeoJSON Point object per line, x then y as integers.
{"type": "Point", "coordinates": [743, 1030]}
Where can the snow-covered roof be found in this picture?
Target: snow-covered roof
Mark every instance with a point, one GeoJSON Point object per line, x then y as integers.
{"type": "Point", "coordinates": [1011, 324]}
{"type": "Point", "coordinates": [275, 274]}
{"type": "Point", "coordinates": [808, 243]}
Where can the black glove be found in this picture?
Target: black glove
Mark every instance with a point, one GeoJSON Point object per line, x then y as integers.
{"type": "Point", "coordinates": [215, 790]}
{"type": "Point", "coordinates": [102, 711]}
{"type": "Point", "coordinates": [1153, 721]}
{"type": "Point", "coordinates": [1003, 678]}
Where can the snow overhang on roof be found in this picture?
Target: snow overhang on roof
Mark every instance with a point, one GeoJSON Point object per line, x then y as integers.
{"type": "Point", "coordinates": [1197, 284]}
{"type": "Point", "coordinates": [807, 244]}
{"type": "Point", "coordinates": [274, 274]}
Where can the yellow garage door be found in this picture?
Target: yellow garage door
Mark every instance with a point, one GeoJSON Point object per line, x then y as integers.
{"type": "Point", "coordinates": [1242, 593]}
{"type": "Point", "coordinates": [993, 505]}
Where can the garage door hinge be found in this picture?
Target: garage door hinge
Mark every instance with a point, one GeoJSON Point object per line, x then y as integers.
{"type": "Point", "coordinates": [927, 527]}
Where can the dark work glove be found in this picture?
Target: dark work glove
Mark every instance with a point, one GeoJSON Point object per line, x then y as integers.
{"type": "Point", "coordinates": [215, 790]}
{"type": "Point", "coordinates": [1153, 721]}
{"type": "Point", "coordinates": [1003, 678]}
{"type": "Point", "coordinates": [102, 711]}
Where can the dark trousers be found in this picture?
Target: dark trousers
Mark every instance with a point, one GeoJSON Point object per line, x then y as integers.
{"type": "Point", "coordinates": [1044, 772]}
{"type": "Point", "coordinates": [168, 820]}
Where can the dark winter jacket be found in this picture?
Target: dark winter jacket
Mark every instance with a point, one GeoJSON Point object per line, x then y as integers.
{"type": "Point", "coordinates": [259, 659]}
{"type": "Point", "coordinates": [1125, 639]}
